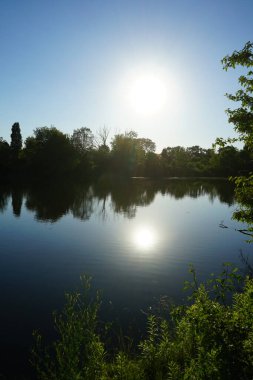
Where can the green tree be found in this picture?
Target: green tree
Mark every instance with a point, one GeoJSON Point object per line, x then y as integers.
{"type": "Point", "coordinates": [242, 118]}
{"type": "Point", "coordinates": [153, 165]}
{"type": "Point", "coordinates": [229, 160]}
{"type": "Point", "coordinates": [198, 160]}
{"type": "Point", "coordinates": [83, 142]}
{"type": "Point", "coordinates": [246, 159]}
{"type": "Point", "coordinates": [124, 153]}
{"type": "Point", "coordinates": [129, 153]}
{"type": "Point", "coordinates": [101, 159]}
{"type": "Point", "coordinates": [175, 161]}
{"type": "Point", "coordinates": [146, 144]}
{"type": "Point", "coordinates": [82, 139]}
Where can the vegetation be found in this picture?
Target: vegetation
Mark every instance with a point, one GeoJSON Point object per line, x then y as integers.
{"type": "Point", "coordinates": [205, 339]}
{"type": "Point", "coordinates": [242, 118]}
{"type": "Point", "coordinates": [50, 154]}
{"type": "Point", "coordinates": [16, 139]}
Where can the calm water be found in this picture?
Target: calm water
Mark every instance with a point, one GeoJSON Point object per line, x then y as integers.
{"type": "Point", "coordinates": [135, 238]}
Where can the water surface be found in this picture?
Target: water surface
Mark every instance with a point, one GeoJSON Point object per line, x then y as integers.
{"type": "Point", "coordinates": [135, 238]}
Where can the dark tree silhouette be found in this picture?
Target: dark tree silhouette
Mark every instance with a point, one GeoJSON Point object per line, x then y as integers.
{"type": "Point", "coordinates": [49, 154]}
{"type": "Point", "coordinates": [4, 158]}
{"type": "Point", "coordinates": [16, 138]}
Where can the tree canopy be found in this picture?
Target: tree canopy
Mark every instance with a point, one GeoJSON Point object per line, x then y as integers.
{"type": "Point", "coordinates": [49, 153]}
{"type": "Point", "coordinates": [242, 118]}
{"type": "Point", "coordinates": [83, 139]}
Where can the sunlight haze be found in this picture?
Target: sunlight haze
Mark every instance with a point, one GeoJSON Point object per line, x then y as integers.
{"type": "Point", "coordinates": [147, 94]}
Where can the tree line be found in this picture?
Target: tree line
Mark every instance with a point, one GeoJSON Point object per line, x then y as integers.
{"type": "Point", "coordinates": [50, 154]}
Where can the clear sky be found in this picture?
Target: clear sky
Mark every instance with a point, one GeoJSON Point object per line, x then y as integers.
{"type": "Point", "coordinates": [71, 64]}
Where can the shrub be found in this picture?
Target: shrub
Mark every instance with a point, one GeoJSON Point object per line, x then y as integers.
{"type": "Point", "coordinates": [204, 340]}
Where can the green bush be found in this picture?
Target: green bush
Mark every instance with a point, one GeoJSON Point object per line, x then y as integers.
{"type": "Point", "coordinates": [206, 339]}
{"type": "Point", "coordinates": [78, 353]}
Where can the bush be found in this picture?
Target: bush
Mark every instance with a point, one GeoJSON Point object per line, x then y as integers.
{"type": "Point", "coordinates": [206, 339]}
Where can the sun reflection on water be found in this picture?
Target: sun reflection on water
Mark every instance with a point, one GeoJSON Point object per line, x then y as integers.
{"type": "Point", "coordinates": [144, 237]}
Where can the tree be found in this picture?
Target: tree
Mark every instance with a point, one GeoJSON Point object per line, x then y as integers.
{"type": "Point", "coordinates": [4, 158]}
{"type": "Point", "coordinates": [129, 153]}
{"type": "Point", "coordinates": [196, 160]}
{"type": "Point", "coordinates": [175, 161]}
{"type": "Point", "coordinates": [102, 137]}
{"type": "Point", "coordinates": [146, 145]}
{"type": "Point", "coordinates": [101, 160]}
{"type": "Point", "coordinates": [153, 165]}
{"type": "Point", "coordinates": [49, 153]}
{"type": "Point", "coordinates": [83, 142]}
{"type": "Point", "coordinates": [242, 118]}
{"type": "Point", "coordinates": [124, 153]}
{"type": "Point", "coordinates": [16, 139]}
{"type": "Point", "coordinates": [229, 160]}
{"type": "Point", "coordinates": [83, 139]}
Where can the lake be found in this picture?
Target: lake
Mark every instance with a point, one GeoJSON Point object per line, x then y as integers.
{"type": "Point", "coordinates": [135, 238]}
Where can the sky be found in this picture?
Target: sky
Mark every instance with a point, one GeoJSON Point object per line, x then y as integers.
{"type": "Point", "coordinates": [74, 63]}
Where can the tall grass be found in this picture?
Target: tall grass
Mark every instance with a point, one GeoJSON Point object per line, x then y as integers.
{"type": "Point", "coordinates": [206, 339]}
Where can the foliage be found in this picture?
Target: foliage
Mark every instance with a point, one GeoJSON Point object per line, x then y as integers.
{"type": "Point", "coordinates": [196, 161]}
{"type": "Point", "coordinates": [242, 118]}
{"type": "Point", "coordinates": [49, 154]}
{"type": "Point", "coordinates": [203, 340]}
{"type": "Point", "coordinates": [146, 144]}
{"type": "Point", "coordinates": [127, 153]}
{"type": "Point", "coordinates": [220, 287]}
{"type": "Point", "coordinates": [78, 353]}
{"type": "Point", "coordinates": [83, 140]}
{"type": "Point", "coordinates": [244, 192]}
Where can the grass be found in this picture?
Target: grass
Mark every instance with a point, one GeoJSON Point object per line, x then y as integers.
{"type": "Point", "coordinates": [205, 339]}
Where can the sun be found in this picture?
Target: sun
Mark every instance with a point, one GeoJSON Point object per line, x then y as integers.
{"type": "Point", "coordinates": [147, 94]}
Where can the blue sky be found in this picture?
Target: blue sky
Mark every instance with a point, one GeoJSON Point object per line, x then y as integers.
{"type": "Point", "coordinates": [68, 64]}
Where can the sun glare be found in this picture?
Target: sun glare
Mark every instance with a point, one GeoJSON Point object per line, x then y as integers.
{"type": "Point", "coordinates": [147, 94]}
{"type": "Point", "coordinates": [144, 238]}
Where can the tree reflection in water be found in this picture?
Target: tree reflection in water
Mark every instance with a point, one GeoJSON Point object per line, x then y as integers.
{"type": "Point", "coordinates": [17, 200]}
{"type": "Point", "coordinates": [52, 202]}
